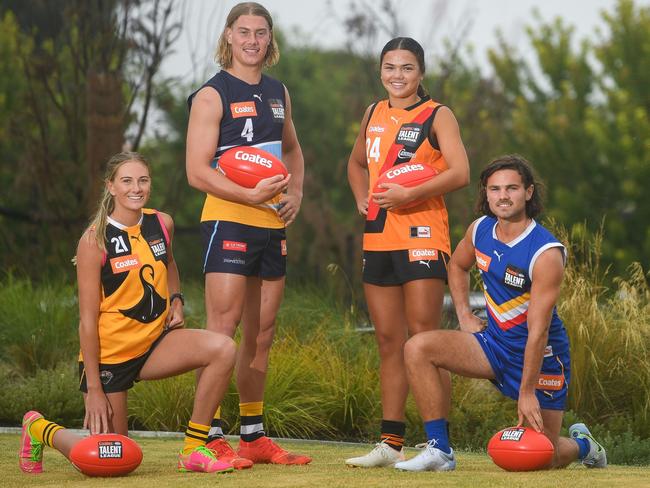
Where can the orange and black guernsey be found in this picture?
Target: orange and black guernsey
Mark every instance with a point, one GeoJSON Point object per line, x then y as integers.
{"type": "Point", "coordinates": [395, 136]}
{"type": "Point", "coordinates": [134, 295]}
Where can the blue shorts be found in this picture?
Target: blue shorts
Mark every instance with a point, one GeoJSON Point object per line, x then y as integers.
{"type": "Point", "coordinates": [230, 247]}
{"type": "Point", "coordinates": [554, 378]}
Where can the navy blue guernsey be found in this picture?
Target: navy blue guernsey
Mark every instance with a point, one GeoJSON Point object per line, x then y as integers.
{"type": "Point", "coordinates": [253, 115]}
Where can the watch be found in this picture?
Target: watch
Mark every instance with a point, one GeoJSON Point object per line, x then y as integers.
{"type": "Point", "coordinates": [175, 296]}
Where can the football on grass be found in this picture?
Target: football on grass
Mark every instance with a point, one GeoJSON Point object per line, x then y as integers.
{"type": "Point", "coordinates": [106, 455]}
{"type": "Point", "coordinates": [408, 175]}
{"type": "Point", "coordinates": [520, 449]}
{"type": "Point", "coordinates": [246, 166]}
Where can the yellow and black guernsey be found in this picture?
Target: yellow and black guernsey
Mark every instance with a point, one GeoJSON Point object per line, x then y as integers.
{"type": "Point", "coordinates": [134, 294]}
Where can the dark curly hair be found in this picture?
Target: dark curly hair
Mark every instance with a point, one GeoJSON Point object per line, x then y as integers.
{"type": "Point", "coordinates": [518, 163]}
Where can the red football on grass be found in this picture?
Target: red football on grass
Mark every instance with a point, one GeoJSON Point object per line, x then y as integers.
{"type": "Point", "coordinates": [520, 449]}
{"type": "Point", "coordinates": [246, 166]}
{"type": "Point", "coordinates": [406, 174]}
{"type": "Point", "coordinates": [106, 455]}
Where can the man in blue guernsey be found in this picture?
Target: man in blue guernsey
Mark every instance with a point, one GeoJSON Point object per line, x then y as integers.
{"type": "Point", "coordinates": [523, 349]}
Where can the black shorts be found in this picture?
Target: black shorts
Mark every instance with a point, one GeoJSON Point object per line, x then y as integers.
{"type": "Point", "coordinates": [391, 268]}
{"type": "Point", "coordinates": [241, 249]}
{"type": "Point", "coordinates": [121, 376]}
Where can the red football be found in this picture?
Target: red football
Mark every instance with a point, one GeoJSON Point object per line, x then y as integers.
{"type": "Point", "coordinates": [246, 166]}
{"type": "Point", "coordinates": [406, 174]}
{"type": "Point", "coordinates": [520, 449]}
{"type": "Point", "coordinates": [106, 455]}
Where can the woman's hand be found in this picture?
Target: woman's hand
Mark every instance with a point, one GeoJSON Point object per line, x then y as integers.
{"type": "Point", "coordinates": [394, 197]}
{"type": "Point", "coordinates": [98, 412]}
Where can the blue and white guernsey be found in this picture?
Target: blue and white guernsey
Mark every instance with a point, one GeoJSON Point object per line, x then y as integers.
{"type": "Point", "coordinates": [507, 273]}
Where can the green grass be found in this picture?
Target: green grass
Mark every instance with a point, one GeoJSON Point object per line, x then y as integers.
{"type": "Point", "coordinates": [327, 469]}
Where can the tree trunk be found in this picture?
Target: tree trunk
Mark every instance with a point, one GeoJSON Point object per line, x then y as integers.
{"type": "Point", "coordinates": [104, 127]}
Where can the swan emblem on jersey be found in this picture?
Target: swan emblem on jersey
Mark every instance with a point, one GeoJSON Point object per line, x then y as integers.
{"type": "Point", "coordinates": [151, 305]}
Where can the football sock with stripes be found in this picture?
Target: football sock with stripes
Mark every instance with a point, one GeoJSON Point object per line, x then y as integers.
{"type": "Point", "coordinates": [392, 433]}
{"type": "Point", "coordinates": [196, 435]}
{"type": "Point", "coordinates": [437, 432]}
{"type": "Point", "coordinates": [216, 427]}
{"type": "Point", "coordinates": [252, 427]}
{"type": "Point", "coordinates": [43, 431]}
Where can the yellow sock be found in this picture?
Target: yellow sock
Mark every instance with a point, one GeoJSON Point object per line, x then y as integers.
{"type": "Point", "coordinates": [251, 408]}
{"type": "Point", "coordinates": [43, 431]}
{"type": "Point", "coordinates": [196, 435]}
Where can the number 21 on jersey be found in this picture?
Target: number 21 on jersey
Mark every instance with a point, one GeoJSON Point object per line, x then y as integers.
{"type": "Point", "coordinates": [372, 149]}
{"type": "Point", "coordinates": [247, 133]}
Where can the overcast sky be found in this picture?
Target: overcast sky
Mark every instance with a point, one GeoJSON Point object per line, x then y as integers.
{"type": "Point", "coordinates": [318, 23]}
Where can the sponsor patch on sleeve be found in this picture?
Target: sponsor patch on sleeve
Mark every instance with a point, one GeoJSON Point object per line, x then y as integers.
{"type": "Point", "coordinates": [482, 260]}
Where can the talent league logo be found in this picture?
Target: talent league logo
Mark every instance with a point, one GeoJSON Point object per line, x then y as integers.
{"type": "Point", "coordinates": [514, 277]}
{"type": "Point", "coordinates": [109, 450]}
{"type": "Point", "coordinates": [512, 434]}
{"type": "Point", "coordinates": [277, 109]}
{"type": "Point", "coordinates": [409, 134]}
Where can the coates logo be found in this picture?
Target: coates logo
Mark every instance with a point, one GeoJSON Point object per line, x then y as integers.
{"type": "Point", "coordinates": [283, 247]}
{"type": "Point", "coordinates": [423, 255]}
{"type": "Point", "coordinates": [408, 168]}
{"type": "Point", "coordinates": [554, 382]}
{"type": "Point", "coordinates": [253, 158]}
{"type": "Point", "coordinates": [482, 260]}
{"type": "Point", "coordinates": [109, 449]}
{"type": "Point", "coordinates": [404, 154]}
{"type": "Point", "coordinates": [377, 129]}
{"type": "Point", "coordinates": [243, 109]}
{"type": "Point", "coordinates": [235, 246]}
{"type": "Point", "coordinates": [125, 263]}
{"type": "Point", "coordinates": [512, 435]}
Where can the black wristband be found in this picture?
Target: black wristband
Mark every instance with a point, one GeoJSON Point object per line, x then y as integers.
{"type": "Point", "coordinates": [177, 295]}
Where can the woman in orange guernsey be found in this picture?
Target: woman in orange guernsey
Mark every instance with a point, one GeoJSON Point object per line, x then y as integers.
{"type": "Point", "coordinates": [405, 250]}
{"type": "Point", "coordinates": [131, 323]}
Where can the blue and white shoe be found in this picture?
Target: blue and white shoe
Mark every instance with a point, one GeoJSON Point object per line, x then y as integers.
{"type": "Point", "coordinates": [430, 459]}
{"type": "Point", "coordinates": [597, 457]}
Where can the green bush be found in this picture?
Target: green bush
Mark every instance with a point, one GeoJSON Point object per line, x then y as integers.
{"type": "Point", "coordinates": [38, 324]}
{"type": "Point", "coordinates": [55, 393]}
{"type": "Point", "coordinates": [609, 330]}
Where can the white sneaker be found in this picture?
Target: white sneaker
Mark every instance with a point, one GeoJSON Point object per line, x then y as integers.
{"type": "Point", "coordinates": [381, 456]}
{"type": "Point", "coordinates": [430, 459]}
{"type": "Point", "coordinates": [597, 457]}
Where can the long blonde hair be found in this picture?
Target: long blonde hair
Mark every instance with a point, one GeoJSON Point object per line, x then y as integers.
{"type": "Point", "coordinates": [106, 204]}
{"type": "Point", "coordinates": [223, 54]}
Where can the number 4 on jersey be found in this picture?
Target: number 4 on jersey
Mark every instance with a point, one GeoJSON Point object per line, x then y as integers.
{"type": "Point", "coordinates": [247, 133]}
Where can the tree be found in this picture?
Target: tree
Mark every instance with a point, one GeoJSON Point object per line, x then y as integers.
{"type": "Point", "coordinates": [81, 66]}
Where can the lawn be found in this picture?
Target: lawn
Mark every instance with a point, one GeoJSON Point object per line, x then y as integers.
{"type": "Point", "coordinates": [327, 469]}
